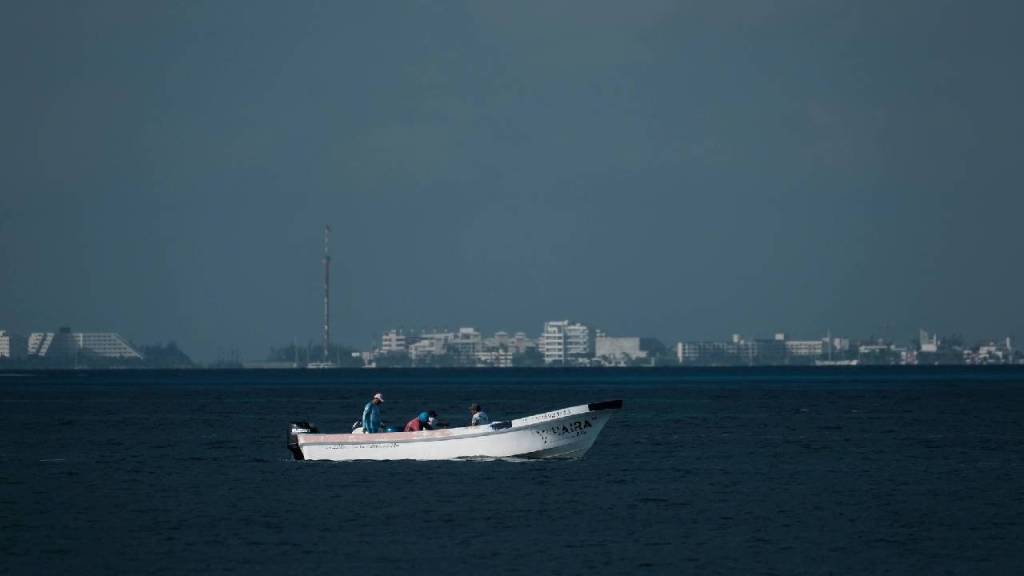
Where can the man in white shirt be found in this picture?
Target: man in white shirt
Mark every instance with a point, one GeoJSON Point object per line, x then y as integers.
{"type": "Point", "coordinates": [479, 417]}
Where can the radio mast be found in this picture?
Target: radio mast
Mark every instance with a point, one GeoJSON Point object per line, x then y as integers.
{"type": "Point", "coordinates": [327, 296]}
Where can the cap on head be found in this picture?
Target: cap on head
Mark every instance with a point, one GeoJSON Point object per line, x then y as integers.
{"type": "Point", "coordinates": [474, 407]}
{"type": "Point", "coordinates": [423, 417]}
{"type": "Point", "coordinates": [377, 396]}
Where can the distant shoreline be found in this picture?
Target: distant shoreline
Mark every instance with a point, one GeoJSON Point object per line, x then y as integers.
{"type": "Point", "coordinates": [808, 367]}
{"type": "Point", "coordinates": [768, 373]}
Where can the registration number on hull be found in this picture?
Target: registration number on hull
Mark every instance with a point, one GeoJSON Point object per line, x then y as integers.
{"type": "Point", "coordinates": [573, 429]}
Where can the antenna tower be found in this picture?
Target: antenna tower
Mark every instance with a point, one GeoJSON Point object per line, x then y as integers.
{"type": "Point", "coordinates": [327, 296]}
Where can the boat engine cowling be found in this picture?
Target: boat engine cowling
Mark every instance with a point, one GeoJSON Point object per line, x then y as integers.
{"type": "Point", "coordinates": [294, 429]}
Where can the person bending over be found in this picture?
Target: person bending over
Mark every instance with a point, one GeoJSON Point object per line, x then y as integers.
{"type": "Point", "coordinates": [418, 423]}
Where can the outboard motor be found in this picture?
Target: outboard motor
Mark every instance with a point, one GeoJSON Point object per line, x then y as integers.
{"type": "Point", "coordinates": [294, 429]}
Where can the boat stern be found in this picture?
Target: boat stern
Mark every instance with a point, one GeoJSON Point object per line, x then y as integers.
{"type": "Point", "coordinates": [294, 429]}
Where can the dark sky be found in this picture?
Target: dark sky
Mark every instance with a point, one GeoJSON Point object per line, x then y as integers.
{"type": "Point", "coordinates": [674, 169]}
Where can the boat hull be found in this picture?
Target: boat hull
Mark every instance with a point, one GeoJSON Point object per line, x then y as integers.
{"type": "Point", "coordinates": [568, 433]}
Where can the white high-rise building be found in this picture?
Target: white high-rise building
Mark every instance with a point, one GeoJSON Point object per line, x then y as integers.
{"type": "Point", "coordinates": [564, 342]}
{"type": "Point", "coordinates": [39, 343]}
{"type": "Point", "coordinates": [618, 349]}
{"type": "Point", "coordinates": [929, 342]}
{"type": "Point", "coordinates": [552, 342]}
{"type": "Point", "coordinates": [106, 344]}
{"type": "Point", "coordinates": [520, 343]}
{"type": "Point", "coordinates": [430, 344]}
{"type": "Point", "coordinates": [12, 345]}
{"type": "Point", "coordinates": [806, 348]}
{"type": "Point", "coordinates": [466, 342]}
{"type": "Point", "coordinates": [392, 341]}
{"type": "Point", "coordinates": [66, 343]}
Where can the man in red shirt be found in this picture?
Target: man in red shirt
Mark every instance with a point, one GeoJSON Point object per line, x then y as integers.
{"type": "Point", "coordinates": [417, 423]}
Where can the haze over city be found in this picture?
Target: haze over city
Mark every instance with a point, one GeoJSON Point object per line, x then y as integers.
{"type": "Point", "coordinates": [662, 169]}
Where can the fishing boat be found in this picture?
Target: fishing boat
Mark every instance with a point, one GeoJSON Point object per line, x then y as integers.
{"type": "Point", "coordinates": [567, 434]}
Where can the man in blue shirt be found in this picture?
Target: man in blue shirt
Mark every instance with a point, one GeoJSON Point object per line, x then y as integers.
{"type": "Point", "coordinates": [371, 414]}
{"type": "Point", "coordinates": [477, 416]}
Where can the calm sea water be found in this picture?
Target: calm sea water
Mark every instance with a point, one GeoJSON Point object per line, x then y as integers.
{"type": "Point", "coordinates": [729, 471]}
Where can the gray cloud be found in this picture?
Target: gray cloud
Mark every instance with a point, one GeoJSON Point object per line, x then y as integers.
{"type": "Point", "coordinates": [673, 169]}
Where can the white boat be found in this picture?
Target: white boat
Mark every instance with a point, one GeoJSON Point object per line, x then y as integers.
{"type": "Point", "coordinates": [565, 433]}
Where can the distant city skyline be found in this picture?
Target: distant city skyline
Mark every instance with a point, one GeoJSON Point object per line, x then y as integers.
{"type": "Point", "coordinates": [559, 342]}
{"type": "Point", "coordinates": [675, 170]}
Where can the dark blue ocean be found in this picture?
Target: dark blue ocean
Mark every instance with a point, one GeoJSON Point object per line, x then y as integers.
{"type": "Point", "coordinates": [747, 471]}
